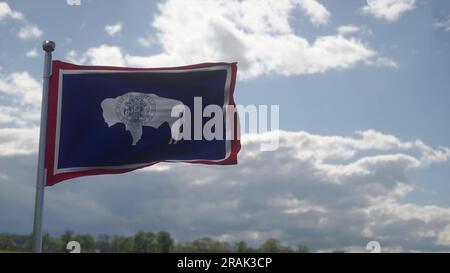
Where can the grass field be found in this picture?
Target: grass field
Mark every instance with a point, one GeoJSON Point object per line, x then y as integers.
{"type": "Point", "coordinates": [12, 251]}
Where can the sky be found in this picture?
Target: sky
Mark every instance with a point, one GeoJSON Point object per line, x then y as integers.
{"type": "Point", "coordinates": [363, 89]}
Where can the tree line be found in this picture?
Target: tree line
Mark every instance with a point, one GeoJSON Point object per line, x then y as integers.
{"type": "Point", "coordinates": [141, 242]}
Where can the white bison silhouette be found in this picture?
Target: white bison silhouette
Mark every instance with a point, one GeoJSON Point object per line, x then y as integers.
{"type": "Point", "coordinates": [139, 109]}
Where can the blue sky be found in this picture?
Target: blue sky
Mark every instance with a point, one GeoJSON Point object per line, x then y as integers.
{"type": "Point", "coordinates": [334, 67]}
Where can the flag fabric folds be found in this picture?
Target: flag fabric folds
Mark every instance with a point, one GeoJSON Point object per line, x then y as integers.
{"type": "Point", "coordinates": [109, 120]}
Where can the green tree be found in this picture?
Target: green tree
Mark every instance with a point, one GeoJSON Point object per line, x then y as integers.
{"type": "Point", "coordinates": [50, 244]}
{"type": "Point", "coordinates": [208, 245]}
{"type": "Point", "coordinates": [103, 244]}
{"type": "Point", "coordinates": [27, 245]}
{"type": "Point", "coordinates": [270, 246]}
{"type": "Point", "coordinates": [164, 241]}
{"type": "Point", "coordinates": [241, 247]}
{"type": "Point", "coordinates": [21, 243]}
{"type": "Point", "coordinates": [7, 242]}
{"type": "Point", "coordinates": [302, 249]}
{"type": "Point", "coordinates": [122, 244]}
{"type": "Point", "coordinates": [65, 238]}
{"type": "Point", "coordinates": [145, 242]}
{"type": "Point", "coordinates": [274, 246]}
{"type": "Point", "coordinates": [87, 242]}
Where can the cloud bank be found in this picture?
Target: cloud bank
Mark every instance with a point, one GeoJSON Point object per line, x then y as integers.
{"type": "Point", "coordinates": [328, 192]}
{"type": "Point", "coordinates": [259, 37]}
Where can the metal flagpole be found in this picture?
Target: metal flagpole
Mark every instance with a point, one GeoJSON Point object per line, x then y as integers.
{"type": "Point", "coordinates": [48, 47]}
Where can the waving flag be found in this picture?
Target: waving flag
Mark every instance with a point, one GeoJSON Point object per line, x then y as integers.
{"type": "Point", "coordinates": [106, 120]}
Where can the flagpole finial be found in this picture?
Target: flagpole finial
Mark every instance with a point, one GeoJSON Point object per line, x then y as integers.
{"type": "Point", "coordinates": [48, 46]}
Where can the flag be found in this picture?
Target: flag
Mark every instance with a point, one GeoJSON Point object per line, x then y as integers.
{"type": "Point", "coordinates": [109, 120]}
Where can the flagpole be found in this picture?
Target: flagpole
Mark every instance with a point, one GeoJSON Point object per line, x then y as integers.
{"type": "Point", "coordinates": [48, 47]}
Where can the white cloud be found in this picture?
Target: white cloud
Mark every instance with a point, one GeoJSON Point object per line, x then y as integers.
{"type": "Point", "coordinates": [104, 54]}
{"type": "Point", "coordinates": [18, 141]}
{"type": "Point", "coordinates": [382, 61]}
{"type": "Point", "coordinates": [23, 96]}
{"type": "Point", "coordinates": [347, 29]}
{"type": "Point", "coordinates": [32, 53]}
{"type": "Point", "coordinates": [22, 87]}
{"type": "Point", "coordinates": [19, 116]}
{"type": "Point", "coordinates": [29, 32]}
{"type": "Point", "coordinates": [147, 41]}
{"type": "Point", "coordinates": [390, 10]}
{"type": "Point", "coordinates": [113, 30]}
{"type": "Point", "coordinates": [443, 237]}
{"type": "Point", "coordinates": [324, 148]}
{"type": "Point", "coordinates": [445, 25]}
{"type": "Point", "coordinates": [19, 119]}
{"type": "Point", "coordinates": [319, 15]}
{"type": "Point", "coordinates": [74, 57]}
{"type": "Point", "coordinates": [258, 36]}
{"type": "Point", "coordinates": [7, 13]}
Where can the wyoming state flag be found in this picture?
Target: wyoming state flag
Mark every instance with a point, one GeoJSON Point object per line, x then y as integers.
{"type": "Point", "coordinates": [109, 120]}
